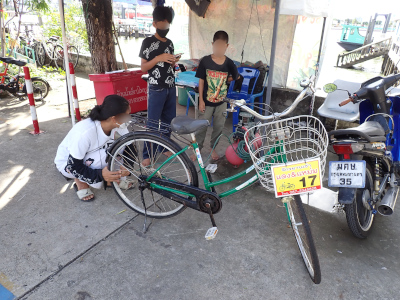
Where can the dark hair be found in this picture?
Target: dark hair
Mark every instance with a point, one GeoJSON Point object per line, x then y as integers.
{"type": "Point", "coordinates": [112, 105]}
{"type": "Point", "coordinates": [221, 35]}
{"type": "Point", "coordinates": [162, 13]}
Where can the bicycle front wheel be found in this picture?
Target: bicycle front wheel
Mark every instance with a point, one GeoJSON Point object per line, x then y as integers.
{"type": "Point", "coordinates": [129, 153]}
{"type": "Point", "coordinates": [304, 239]}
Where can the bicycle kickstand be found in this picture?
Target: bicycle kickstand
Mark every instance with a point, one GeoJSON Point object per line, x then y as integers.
{"type": "Point", "coordinates": [212, 232]}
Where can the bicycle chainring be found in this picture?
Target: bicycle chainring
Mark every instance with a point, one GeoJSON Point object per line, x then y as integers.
{"type": "Point", "coordinates": [214, 201]}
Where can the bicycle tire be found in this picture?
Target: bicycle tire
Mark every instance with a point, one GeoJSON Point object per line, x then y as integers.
{"type": "Point", "coordinates": [73, 51]}
{"type": "Point", "coordinates": [43, 85]}
{"type": "Point", "coordinates": [40, 55]}
{"type": "Point", "coordinates": [59, 57]}
{"type": "Point", "coordinates": [162, 207]}
{"type": "Point", "coordinates": [296, 211]}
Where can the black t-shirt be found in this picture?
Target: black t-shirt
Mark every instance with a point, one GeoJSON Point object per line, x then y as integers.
{"type": "Point", "coordinates": [215, 79]}
{"type": "Point", "coordinates": [162, 74]}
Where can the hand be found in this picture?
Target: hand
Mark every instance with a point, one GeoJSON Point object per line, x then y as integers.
{"type": "Point", "coordinates": [177, 58]}
{"type": "Point", "coordinates": [124, 171]}
{"type": "Point", "coordinates": [202, 106]}
{"type": "Point", "coordinates": [166, 57]}
{"type": "Point", "coordinates": [111, 176]}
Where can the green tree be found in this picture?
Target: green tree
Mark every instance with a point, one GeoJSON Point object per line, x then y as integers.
{"type": "Point", "coordinates": [98, 17]}
{"type": "Point", "coordinates": [74, 24]}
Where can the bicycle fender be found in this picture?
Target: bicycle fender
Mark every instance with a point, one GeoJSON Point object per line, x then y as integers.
{"type": "Point", "coordinates": [347, 195]}
{"type": "Point", "coordinates": [44, 80]}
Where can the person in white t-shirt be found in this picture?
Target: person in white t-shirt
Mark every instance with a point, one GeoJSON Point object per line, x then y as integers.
{"type": "Point", "coordinates": [82, 154]}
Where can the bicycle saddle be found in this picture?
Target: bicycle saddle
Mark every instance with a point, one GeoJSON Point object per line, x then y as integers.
{"type": "Point", "coordinates": [17, 62]}
{"type": "Point", "coordinates": [10, 60]}
{"type": "Point", "coordinates": [187, 125]}
{"type": "Point", "coordinates": [7, 60]}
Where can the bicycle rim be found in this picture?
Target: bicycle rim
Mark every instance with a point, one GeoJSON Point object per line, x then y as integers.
{"type": "Point", "coordinates": [129, 153]}
{"type": "Point", "coordinates": [40, 89]}
{"type": "Point", "coordinates": [40, 55]}
{"type": "Point", "coordinates": [304, 239]}
{"type": "Point", "coordinates": [59, 56]}
{"type": "Point", "coordinates": [73, 55]}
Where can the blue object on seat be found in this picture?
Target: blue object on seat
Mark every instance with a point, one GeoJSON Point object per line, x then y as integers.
{"type": "Point", "coordinates": [246, 91]}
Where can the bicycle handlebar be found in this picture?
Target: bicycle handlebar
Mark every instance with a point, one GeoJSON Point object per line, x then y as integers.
{"type": "Point", "coordinates": [242, 105]}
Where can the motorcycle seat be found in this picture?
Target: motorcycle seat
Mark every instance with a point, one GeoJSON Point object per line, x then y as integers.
{"type": "Point", "coordinates": [187, 125]}
{"type": "Point", "coordinates": [372, 131]}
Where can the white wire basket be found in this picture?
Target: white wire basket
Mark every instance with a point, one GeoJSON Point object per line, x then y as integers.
{"type": "Point", "coordinates": [297, 139]}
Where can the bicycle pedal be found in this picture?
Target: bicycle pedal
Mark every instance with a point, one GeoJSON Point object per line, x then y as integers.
{"type": "Point", "coordinates": [211, 168]}
{"type": "Point", "coordinates": [211, 233]}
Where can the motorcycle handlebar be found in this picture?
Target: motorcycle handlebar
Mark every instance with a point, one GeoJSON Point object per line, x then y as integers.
{"type": "Point", "coordinates": [345, 102]}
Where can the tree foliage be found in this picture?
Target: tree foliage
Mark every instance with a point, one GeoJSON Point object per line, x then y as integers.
{"type": "Point", "coordinates": [74, 25]}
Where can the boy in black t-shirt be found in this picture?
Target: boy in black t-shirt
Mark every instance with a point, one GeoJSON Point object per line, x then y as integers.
{"type": "Point", "coordinates": [158, 59]}
{"type": "Point", "coordinates": [214, 71]}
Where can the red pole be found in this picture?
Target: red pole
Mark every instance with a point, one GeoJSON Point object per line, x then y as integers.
{"type": "Point", "coordinates": [29, 91]}
{"type": "Point", "coordinates": [74, 92]}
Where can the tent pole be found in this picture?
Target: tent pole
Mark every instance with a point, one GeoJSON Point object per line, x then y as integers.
{"type": "Point", "coordinates": [66, 61]}
{"type": "Point", "coordinates": [272, 58]}
{"type": "Point", "coordinates": [321, 42]}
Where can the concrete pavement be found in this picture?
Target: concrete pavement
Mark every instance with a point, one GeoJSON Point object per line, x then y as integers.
{"type": "Point", "coordinates": [54, 246]}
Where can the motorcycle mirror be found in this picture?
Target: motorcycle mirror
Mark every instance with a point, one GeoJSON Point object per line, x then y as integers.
{"type": "Point", "coordinates": [330, 88]}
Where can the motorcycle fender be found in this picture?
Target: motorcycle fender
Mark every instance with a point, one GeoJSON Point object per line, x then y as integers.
{"type": "Point", "coordinates": [346, 195]}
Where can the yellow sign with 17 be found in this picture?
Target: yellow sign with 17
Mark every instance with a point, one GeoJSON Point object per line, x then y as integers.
{"type": "Point", "coordinates": [297, 177]}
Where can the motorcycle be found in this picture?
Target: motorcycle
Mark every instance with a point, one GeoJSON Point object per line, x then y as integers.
{"type": "Point", "coordinates": [367, 171]}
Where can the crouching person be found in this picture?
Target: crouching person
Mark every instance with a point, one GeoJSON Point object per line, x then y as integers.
{"type": "Point", "coordinates": [82, 154]}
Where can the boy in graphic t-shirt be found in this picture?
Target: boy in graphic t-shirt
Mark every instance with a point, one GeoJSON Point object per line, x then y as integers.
{"type": "Point", "coordinates": [158, 59]}
{"type": "Point", "coordinates": [214, 71]}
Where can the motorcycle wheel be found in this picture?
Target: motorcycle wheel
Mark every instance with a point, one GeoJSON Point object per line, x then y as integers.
{"type": "Point", "coordinates": [359, 218]}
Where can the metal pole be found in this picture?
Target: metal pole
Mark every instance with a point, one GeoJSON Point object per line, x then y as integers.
{"type": "Point", "coordinates": [272, 59]}
{"type": "Point", "coordinates": [66, 61]}
{"type": "Point", "coordinates": [2, 30]}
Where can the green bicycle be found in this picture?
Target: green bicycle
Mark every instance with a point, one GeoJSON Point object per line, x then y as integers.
{"type": "Point", "coordinates": [171, 183]}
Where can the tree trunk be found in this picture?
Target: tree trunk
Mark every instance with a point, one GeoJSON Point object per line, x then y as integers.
{"type": "Point", "coordinates": [98, 17]}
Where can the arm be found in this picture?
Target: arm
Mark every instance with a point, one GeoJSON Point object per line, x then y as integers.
{"type": "Point", "coordinates": [201, 74]}
{"type": "Point", "coordinates": [201, 90]}
{"type": "Point", "coordinates": [147, 65]}
{"type": "Point", "coordinates": [82, 172]}
{"type": "Point", "coordinates": [92, 176]}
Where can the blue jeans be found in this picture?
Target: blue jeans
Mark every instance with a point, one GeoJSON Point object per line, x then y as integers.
{"type": "Point", "coordinates": [161, 106]}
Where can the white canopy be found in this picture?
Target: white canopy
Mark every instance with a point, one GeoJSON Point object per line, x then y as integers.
{"type": "Point", "coordinates": [307, 8]}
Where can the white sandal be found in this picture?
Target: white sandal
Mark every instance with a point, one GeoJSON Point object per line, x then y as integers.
{"type": "Point", "coordinates": [83, 193]}
{"type": "Point", "coordinates": [126, 184]}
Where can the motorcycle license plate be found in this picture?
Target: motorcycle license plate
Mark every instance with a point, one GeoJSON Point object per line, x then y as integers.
{"type": "Point", "coordinates": [347, 173]}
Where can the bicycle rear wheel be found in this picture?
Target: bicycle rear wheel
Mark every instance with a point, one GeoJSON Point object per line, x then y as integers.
{"type": "Point", "coordinates": [73, 56]}
{"type": "Point", "coordinates": [40, 88]}
{"type": "Point", "coordinates": [40, 55]}
{"type": "Point", "coordinates": [59, 56]}
{"type": "Point", "coordinates": [304, 239]}
{"type": "Point", "coordinates": [128, 152]}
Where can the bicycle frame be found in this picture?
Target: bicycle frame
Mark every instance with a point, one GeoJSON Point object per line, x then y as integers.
{"type": "Point", "coordinates": [209, 185]}
{"type": "Point", "coordinates": [3, 74]}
